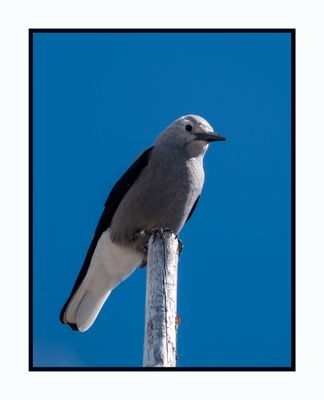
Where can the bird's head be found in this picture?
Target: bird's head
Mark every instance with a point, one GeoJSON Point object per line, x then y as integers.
{"type": "Point", "coordinates": [192, 132]}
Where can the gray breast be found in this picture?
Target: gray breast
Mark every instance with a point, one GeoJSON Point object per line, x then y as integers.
{"type": "Point", "coordinates": [162, 196]}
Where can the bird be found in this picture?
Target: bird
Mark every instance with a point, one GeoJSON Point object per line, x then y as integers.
{"type": "Point", "coordinates": [161, 190]}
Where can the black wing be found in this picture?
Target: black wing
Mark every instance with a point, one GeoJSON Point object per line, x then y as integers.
{"type": "Point", "coordinates": [115, 197]}
{"type": "Point", "coordinates": [193, 209]}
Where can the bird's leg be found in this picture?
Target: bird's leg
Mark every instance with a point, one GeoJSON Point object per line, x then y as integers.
{"type": "Point", "coordinates": [136, 235]}
{"type": "Point", "coordinates": [147, 233]}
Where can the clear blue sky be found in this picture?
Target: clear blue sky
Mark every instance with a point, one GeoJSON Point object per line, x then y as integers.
{"type": "Point", "coordinates": [99, 101]}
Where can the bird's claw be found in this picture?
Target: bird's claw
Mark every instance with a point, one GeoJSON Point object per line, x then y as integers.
{"type": "Point", "coordinates": [138, 234]}
{"type": "Point", "coordinates": [180, 246]}
{"type": "Point", "coordinates": [147, 233]}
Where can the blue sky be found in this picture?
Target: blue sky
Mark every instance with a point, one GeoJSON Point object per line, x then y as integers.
{"type": "Point", "coordinates": [99, 100]}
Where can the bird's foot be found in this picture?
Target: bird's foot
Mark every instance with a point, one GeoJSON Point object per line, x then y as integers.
{"type": "Point", "coordinates": [180, 246]}
{"type": "Point", "coordinates": [160, 231]}
{"type": "Point", "coordinates": [147, 233]}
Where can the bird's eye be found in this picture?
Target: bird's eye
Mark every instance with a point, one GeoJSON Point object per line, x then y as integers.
{"type": "Point", "coordinates": [188, 128]}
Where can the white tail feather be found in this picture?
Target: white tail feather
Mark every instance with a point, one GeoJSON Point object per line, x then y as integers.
{"type": "Point", "coordinates": [110, 264]}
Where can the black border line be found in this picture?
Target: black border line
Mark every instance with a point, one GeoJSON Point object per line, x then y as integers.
{"type": "Point", "coordinates": [30, 199]}
{"type": "Point", "coordinates": [293, 200]}
{"type": "Point", "coordinates": [189, 369]}
{"type": "Point", "coordinates": [293, 197]}
{"type": "Point", "coordinates": [161, 30]}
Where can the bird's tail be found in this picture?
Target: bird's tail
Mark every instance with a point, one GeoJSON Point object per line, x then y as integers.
{"type": "Point", "coordinates": [110, 264]}
{"type": "Point", "coordinates": [82, 309]}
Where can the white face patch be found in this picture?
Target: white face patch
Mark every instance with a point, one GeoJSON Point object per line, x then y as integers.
{"type": "Point", "coordinates": [198, 124]}
{"type": "Point", "coordinates": [205, 127]}
{"type": "Point", "coordinates": [182, 131]}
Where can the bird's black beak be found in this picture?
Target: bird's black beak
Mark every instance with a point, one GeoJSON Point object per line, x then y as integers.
{"type": "Point", "coordinates": [209, 137]}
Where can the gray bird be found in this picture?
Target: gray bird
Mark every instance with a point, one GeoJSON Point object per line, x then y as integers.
{"type": "Point", "coordinates": [160, 190]}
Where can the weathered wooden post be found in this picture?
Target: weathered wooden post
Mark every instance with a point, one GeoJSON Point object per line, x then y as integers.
{"type": "Point", "coordinates": [161, 300]}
